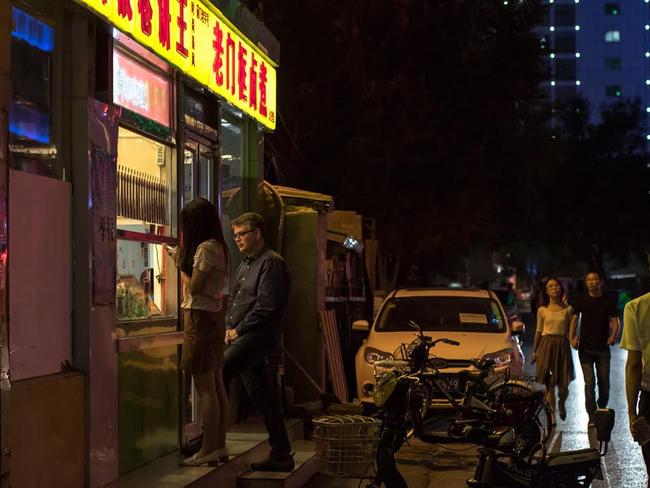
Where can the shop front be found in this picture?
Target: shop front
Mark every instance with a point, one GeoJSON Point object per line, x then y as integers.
{"type": "Point", "coordinates": [120, 112]}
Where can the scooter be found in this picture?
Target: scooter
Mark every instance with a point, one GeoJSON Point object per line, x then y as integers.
{"type": "Point", "coordinates": [501, 467]}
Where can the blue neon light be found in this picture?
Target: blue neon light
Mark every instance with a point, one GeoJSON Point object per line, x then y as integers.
{"type": "Point", "coordinates": [31, 30]}
{"type": "Point", "coordinates": [29, 122]}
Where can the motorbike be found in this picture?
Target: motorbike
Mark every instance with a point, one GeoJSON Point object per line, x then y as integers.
{"type": "Point", "coordinates": [490, 401]}
{"type": "Point", "coordinates": [399, 395]}
{"type": "Point", "coordinates": [500, 466]}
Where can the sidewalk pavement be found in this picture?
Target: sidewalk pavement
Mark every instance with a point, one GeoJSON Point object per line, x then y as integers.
{"type": "Point", "coordinates": [423, 466]}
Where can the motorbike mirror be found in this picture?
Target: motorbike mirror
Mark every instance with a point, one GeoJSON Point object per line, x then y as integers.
{"type": "Point", "coordinates": [518, 327]}
{"type": "Point", "coordinates": [604, 420]}
{"type": "Point", "coordinates": [361, 325]}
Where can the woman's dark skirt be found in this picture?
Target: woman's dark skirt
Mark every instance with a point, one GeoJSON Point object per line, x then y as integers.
{"type": "Point", "coordinates": [554, 361]}
{"type": "Point", "coordinates": [203, 342]}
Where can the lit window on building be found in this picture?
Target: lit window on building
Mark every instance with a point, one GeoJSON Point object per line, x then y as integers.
{"type": "Point", "coordinates": [613, 91]}
{"type": "Point", "coordinates": [613, 64]}
{"type": "Point", "coordinates": [612, 9]}
{"type": "Point", "coordinates": [613, 36]}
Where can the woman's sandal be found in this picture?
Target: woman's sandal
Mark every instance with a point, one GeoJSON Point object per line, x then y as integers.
{"type": "Point", "coordinates": [216, 457]}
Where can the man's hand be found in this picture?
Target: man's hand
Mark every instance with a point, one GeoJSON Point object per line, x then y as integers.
{"type": "Point", "coordinates": [231, 336]}
{"type": "Point", "coordinates": [634, 429]}
{"type": "Point", "coordinates": [575, 342]}
{"type": "Point", "coordinates": [611, 341]}
{"type": "Point", "coordinates": [534, 358]}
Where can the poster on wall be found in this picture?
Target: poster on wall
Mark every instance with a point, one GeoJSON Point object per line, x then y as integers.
{"type": "Point", "coordinates": [103, 120]}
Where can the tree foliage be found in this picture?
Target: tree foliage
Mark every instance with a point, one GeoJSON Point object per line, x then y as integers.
{"type": "Point", "coordinates": [427, 116]}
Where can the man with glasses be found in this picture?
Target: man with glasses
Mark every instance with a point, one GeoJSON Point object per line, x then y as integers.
{"type": "Point", "coordinates": [258, 296]}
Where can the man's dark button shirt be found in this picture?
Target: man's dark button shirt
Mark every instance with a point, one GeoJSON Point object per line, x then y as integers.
{"type": "Point", "coordinates": [258, 294]}
{"type": "Point", "coordinates": [594, 325]}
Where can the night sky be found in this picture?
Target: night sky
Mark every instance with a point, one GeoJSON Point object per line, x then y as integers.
{"type": "Point", "coordinates": [428, 117]}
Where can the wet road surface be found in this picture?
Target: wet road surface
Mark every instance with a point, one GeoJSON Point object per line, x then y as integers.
{"type": "Point", "coordinates": [623, 465]}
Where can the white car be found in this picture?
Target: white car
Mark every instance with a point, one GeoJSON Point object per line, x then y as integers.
{"type": "Point", "coordinates": [474, 318]}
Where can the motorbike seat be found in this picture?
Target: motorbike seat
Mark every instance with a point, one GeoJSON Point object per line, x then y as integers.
{"type": "Point", "coordinates": [557, 459]}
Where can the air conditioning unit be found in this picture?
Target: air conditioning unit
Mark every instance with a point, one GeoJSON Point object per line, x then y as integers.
{"type": "Point", "coordinates": [160, 158]}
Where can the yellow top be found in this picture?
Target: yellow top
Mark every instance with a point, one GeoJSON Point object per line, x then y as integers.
{"type": "Point", "coordinates": [554, 322]}
{"type": "Point", "coordinates": [636, 333]}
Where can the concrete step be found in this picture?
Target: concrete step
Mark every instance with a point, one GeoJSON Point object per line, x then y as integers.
{"type": "Point", "coordinates": [247, 442]}
{"type": "Point", "coordinates": [305, 469]}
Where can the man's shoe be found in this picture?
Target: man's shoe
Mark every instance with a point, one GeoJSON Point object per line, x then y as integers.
{"type": "Point", "coordinates": [284, 464]}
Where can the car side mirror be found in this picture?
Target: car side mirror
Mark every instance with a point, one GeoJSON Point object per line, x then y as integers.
{"type": "Point", "coordinates": [361, 325]}
{"type": "Point", "coordinates": [518, 327]}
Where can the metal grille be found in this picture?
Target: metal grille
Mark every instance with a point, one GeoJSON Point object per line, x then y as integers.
{"type": "Point", "coordinates": [141, 196]}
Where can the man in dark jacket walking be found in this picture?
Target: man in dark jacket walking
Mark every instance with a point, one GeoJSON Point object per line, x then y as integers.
{"type": "Point", "coordinates": [258, 296]}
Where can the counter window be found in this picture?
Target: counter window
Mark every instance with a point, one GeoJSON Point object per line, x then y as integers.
{"type": "Point", "coordinates": [146, 275]}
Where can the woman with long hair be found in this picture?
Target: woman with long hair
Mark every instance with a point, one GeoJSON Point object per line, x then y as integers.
{"type": "Point", "coordinates": [551, 350]}
{"type": "Point", "coordinates": [203, 261]}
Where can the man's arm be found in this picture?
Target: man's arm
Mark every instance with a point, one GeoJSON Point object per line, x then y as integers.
{"type": "Point", "coordinates": [633, 367]}
{"type": "Point", "coordinates": [614, 326]}
{"type": "Point", "coordinates": [271, 296]}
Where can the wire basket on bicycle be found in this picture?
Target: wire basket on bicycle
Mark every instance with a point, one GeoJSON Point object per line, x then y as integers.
{"type": "Point", "coordinates": [346, 445]}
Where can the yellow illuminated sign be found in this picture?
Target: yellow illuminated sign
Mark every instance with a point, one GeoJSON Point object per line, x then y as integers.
{"type": "Point", "coordinates": [197, 38]}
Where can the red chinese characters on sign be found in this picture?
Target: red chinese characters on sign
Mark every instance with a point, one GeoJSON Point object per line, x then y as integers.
{"type": "Point", "coordinates": [252, 83]}
{"type": "Point", "coordinates": [146, 13]}
{"type": "Point", "coordinates": [164, 21]}
{"type": "Point", "coordinates": [263, 80]}
{"type": "Point", "coordinates": [182, 27]}
{"type": "Point", "coordinates": [241, 72]}
{"type": "Point", "coordinates": [230, 63]}
{"type": "Point", "coordinates": [124, 9]}
{"type": "Point", "coordinates": [217, 43]}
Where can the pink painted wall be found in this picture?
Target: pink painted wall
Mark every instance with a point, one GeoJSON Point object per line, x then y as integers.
{"type": "Point", "coordinates": [40, 333]}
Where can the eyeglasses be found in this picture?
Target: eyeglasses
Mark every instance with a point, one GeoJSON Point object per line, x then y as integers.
{"type": "Point", "coordinates": [237, 235]}
{"type": "Point", "coordinates": [552, 285]}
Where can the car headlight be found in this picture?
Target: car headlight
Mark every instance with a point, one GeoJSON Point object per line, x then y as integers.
{"type": "Point", "coordinates": [372, 355]}
{"type": "Point", "coordinates": [500, 358]}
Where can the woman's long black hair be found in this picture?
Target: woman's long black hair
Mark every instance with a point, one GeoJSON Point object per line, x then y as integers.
{"type": "Point", "coordinates": [199, 222]}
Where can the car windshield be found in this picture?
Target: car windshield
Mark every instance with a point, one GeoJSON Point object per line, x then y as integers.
{"type": "Point", "coordinates": [441, 313]}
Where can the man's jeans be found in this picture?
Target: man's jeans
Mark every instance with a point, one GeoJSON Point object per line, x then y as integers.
{"type": "Point", "coordinates": [599, 359]}
{"type": "Point", "coordinates": [245, 358]}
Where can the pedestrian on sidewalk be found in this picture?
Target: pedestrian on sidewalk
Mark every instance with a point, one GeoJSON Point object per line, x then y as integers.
{"type": "Point", "coordinates": [258, 298]}
{"type": "Point", "coordinates": [203, 262]}
{"type": "Point", "coordinates": [636, 340]}
{"type": "Point", "coordinates": [598, 318]}
{"type": "Point", "coordinates": [551, 349]}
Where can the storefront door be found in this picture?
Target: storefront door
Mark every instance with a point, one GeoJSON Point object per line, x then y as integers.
{"type": "Point", "coordinates": [199, 164]}
{"type": "Point", "coordinates": [199, 172]}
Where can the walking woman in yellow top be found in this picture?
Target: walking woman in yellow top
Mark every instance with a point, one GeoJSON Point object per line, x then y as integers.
{"type": "Point", "coordinates": [552, 350]}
